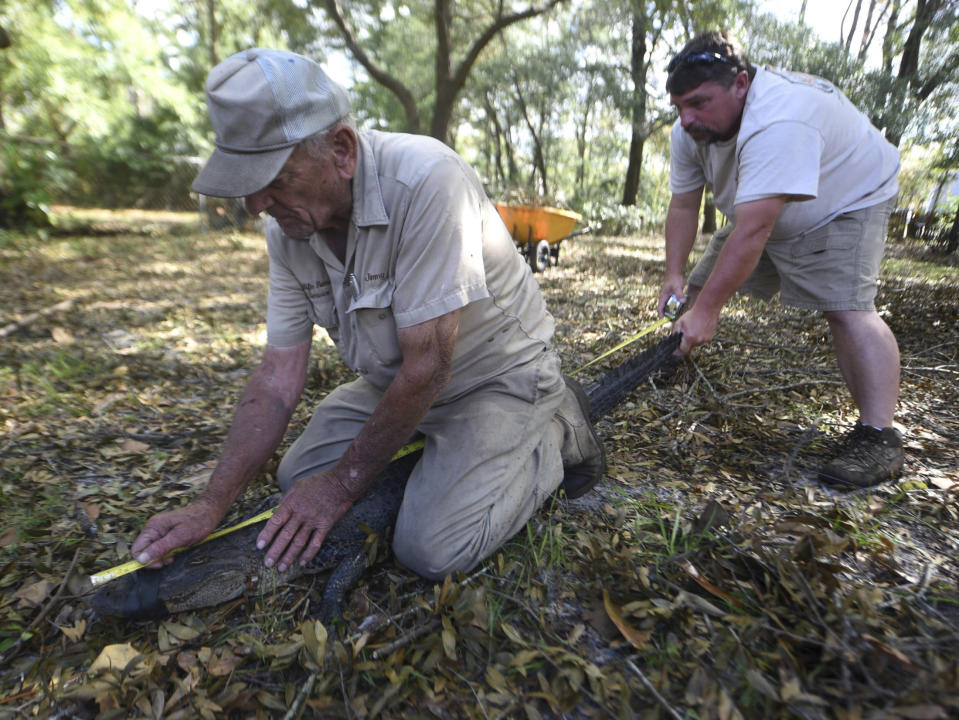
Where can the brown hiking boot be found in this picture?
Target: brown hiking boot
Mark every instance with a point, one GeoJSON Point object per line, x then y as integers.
{"type": "Point", "coordinates": [867, 457]}
{"type": "Point", "coordinates": [584, 458]}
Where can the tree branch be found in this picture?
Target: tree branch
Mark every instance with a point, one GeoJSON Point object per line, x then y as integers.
{"type": "Point", "coordinates": [939, 77]}
{"type": "Point", "coordinates": [390, 82]}
{"type": "Point", "coordinates": [501, 23]}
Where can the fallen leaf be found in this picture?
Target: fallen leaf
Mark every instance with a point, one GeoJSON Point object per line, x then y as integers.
{"type": "Point", "coordinates": [133, 447]}
{"type": "Point", "coordinates": [921, 712]}
{"type": "Point", "coordinates": [8, 537]}
{"type": "Point", "coordinates": [115, 657]}
{"type": "Point", "coordinates": [690, 570]}
{"type": "Point", "coordinates": [186, 659]}
{"type": "Point", "coordinates": [75, 632]}
{"type": "Point", "coordinates": [62, 336]}
{"type": "Point", "coordinates": [33, 594]}
{"type": "Point", "coordinates": [636, 638]}
{"type": "Point", "coordinates": [91, 509]}
{"type": "Point", "coordinates": [222, 662]}
{"type": "Point", "coordinates": [106, 402]}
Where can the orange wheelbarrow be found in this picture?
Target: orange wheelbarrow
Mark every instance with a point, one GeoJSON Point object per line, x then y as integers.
{"type": "Point", "coordinates": [539, 231]}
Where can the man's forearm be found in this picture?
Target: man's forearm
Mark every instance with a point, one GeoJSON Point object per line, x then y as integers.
{"type": "Point", "coordinates": [680, 238]}
{"type": "Point", "coordinates": [682, 228]}
{"type": "Point", "coordinates": [740, 253]}
{"type": "Point", "coordinates": [259, 424]}
{"type": "Point", "coordinates": [424, 373]}
{"type": "Point", "coordinates": [736, 261]}
{"type": "Point", "coordinates": [392, 424]}
{"type": "Point", "coordinates": [254, 436]}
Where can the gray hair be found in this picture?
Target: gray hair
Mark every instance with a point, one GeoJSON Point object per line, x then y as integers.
{"type": "Point", "coordinates": [318, 144]}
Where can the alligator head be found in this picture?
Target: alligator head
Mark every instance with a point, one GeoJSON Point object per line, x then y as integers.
{"type": "Point", "coordinates": [204, 575]}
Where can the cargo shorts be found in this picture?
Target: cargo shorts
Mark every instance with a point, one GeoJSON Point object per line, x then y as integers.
{"type": "Point", "coordinates": [834, 267]}
{"type": "Point", "coordinates": [491, 458]}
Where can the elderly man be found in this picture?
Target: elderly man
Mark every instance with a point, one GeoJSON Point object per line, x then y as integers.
{"type": "Point", "coordinates": [807, 184]}
{"type": "Point", "coordinates": [389, 243]}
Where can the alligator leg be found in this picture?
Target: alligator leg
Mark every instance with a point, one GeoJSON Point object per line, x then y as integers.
{"type": "Point", "coordinates": [343, 579]}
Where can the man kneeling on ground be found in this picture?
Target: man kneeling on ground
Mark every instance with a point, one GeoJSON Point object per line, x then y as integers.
{"type": "Point", "coordinates": [389, 242]}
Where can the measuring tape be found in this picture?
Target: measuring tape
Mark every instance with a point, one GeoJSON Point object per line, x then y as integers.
{"type": "Point", "coordinates": [133, 565]}
{"type": "Point", "coordinates": [672, 309]}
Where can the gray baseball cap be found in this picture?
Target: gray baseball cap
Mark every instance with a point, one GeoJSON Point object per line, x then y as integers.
{"type": "Point", "coordinates": [262, 103]}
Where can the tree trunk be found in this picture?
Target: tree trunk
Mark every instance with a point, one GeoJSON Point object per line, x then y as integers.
{"type": "Point", "coordinates": [852, 29]}
{"type": "Point", "coordinates": [214, 33]}
{"type": "Point", "coordinates": [911, 84]}
{"type": "Point", "coordinates": [539, 160]}
{"type": "Point", "coordinates": [581, 129]}
{"type": "Point", "coordinates": [443, 68]}
{"type": "Point", "coordinates": [868, 31]}
{"type": "Point", "coordinates": [5, 42]}
{"type": "Point", "coordinates": [496, 134]}
{"type": "Point", "coordinates": [637, 136]}
{"type": "Point", "coordinates": [909, 65]}
{"type": "Point", "coordinates": [887, 40]}
{"type": "Point", "coordinates": [449, 81]}
{"type": "Point", "coordinates": [953, 237]}
{"type": "Point", "coordinates": [388, 81]}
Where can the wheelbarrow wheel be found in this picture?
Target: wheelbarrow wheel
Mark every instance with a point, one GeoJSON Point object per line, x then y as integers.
{"type": "Point", "coordinates": [539, 256]}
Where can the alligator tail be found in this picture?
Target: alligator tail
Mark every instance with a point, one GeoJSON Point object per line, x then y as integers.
{"type": "Point", "coordinates": [614, 386]}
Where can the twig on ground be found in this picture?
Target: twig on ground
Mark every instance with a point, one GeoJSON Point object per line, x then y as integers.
{"type": "Point", "coordinates": [346, 696]}
{"type": "Point", "coordinates": [797, 448]}
{"type": "Point", "coordinates": [670, 711]}
{"type": "Point", "coordinates": [301, 696]}
{"type": "Point", "coordinates": [41, 616]}
{"type": "Point", "coordinates": [479, 702]}
{"type": "Point", "coordinates": [406, 639]}
{"type": "Point", "coordinates": [706, 380]}
{"type": "Point", "coordinates": [34, 316]}
{"type": "Point", "coordinates": [393, 619]}
{"type": "Point", "coordinates": [777, 388]}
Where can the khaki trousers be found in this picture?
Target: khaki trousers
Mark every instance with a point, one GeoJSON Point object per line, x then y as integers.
{"type": "Point", "coordinates": [491, 458]}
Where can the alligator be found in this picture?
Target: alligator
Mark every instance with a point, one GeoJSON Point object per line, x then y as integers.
{"type": "Point", "coordinates": [222, 569]}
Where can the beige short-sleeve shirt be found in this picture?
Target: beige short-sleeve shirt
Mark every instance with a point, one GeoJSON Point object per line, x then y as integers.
{"type": "Point", "coordinates": [799, 137]}
{"type": "Point", "coordinates": [424, 240]}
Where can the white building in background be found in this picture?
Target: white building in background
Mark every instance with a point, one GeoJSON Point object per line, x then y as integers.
{"type": "Point", "coordinates": [944, 194]}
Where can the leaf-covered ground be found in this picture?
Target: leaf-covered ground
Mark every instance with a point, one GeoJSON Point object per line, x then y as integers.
{"type": "Point", "coordinates": [710, 576]}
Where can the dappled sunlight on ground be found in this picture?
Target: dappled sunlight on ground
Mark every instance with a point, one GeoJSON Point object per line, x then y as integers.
{"type": "Point", "coordinates": [710, 575]}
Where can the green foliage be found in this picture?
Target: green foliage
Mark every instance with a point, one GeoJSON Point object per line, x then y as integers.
{"type": "Point", "coordinates": [103, 115]}
{"type": "Point", "coordinates": [614, 218]}
{"type": "Point", "coordinates": [114, 90]}
{"type": "Point", "coordinates": [31, 175]}
{"type": "Point", "coordinates": [146, 162]}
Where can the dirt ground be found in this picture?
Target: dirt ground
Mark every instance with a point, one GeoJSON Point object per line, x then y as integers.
{"type": "Point", "coordinates": [709, 576]}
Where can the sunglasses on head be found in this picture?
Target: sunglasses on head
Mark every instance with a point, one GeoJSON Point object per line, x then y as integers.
{"type": "Point", "coordinates": [698, 57]}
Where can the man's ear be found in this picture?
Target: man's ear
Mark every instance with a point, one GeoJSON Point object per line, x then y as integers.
{"type": "Point", "coordinates": [741, 84]}
{"type": "Point", "coordinates": [345, 150]}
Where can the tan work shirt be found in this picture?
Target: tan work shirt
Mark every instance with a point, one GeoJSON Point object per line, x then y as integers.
{"type": "Point", "coordinates": [424, 240]}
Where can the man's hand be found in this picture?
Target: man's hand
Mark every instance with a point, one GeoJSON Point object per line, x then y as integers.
{"type": "Point", "coordinates": [672, 287]}
{"type": "Point", "coordinates": [178, 528]}
{"type": "Point", "coordinates": [307, 513]}
{"type": "Point", "coordinates": [698, 326]}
